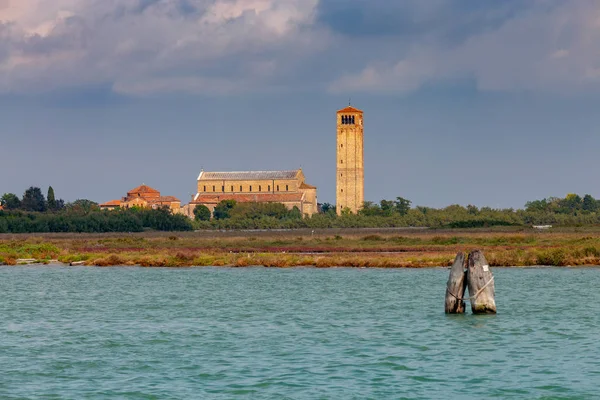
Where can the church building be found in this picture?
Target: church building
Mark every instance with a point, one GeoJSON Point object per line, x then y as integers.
{"type": "Point", "coordinates": [286, 187]}
{"type": "Point", "coordinates": [144, 197]}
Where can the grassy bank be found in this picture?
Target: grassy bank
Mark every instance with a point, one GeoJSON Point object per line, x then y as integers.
{"type": "Point", "coordinates": [322, 249]}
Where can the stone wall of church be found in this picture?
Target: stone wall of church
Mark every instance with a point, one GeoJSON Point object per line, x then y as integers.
{"type": "Point", "coordinates": [248, 186]}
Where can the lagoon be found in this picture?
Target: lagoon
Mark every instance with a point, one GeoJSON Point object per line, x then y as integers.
{"type": "Point", "coordinates": [299, 333]}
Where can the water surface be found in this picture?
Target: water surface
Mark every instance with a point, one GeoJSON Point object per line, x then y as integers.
{"type": "Point", "coordinates": [226, 333]}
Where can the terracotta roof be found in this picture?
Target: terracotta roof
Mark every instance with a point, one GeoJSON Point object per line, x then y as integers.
{"type": "Point", "coordinates": [349, 109]}
{"type": "Point", "coordinates": [248, 197]}
{"type": "Point", "coordinates": [307, 186]}
{"type": "Point", "coordinates": [168, 199]}
{"type": "Point", "coordinates": [143, 189]}
{"type": "Point", "coordinates": [248, 175]}
{"type": "Point", "coordinates": [112, 203]}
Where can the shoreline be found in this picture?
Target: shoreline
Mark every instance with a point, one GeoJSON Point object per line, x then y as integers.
{"type": "Point", "coordinates": [55, 263]}
{"type": "Point", "coordinates": [321, 249]}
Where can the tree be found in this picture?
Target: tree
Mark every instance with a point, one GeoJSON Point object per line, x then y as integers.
{"type": "Point", "coordinates": [589, 203]}
{"type": "Point", "coordinates": [223, 209]}
{"type": "Point", "coordinates": [571, 203]}
{"type": "Point", "coordinates": [10, 201]}
{"type": "Point", "coordinates": [51, 200]}
{"type": "Point", "coordinates": [328, 208]}
{"type": "Point", "coordinates": [346, 211]}
{"type": "Point", "coordinates": [402, 205]}
{"type": "Point", "coordinates": [295, 213]}
{"type": "Point", "coordinates": [202, 213]}
{"type": "Point", "coordinates": [59, 204]}
{"type": "Point", "coordinates": [473, 210]}
{"type": "Point", "coordinates": [369, 209]}
{"type": "Point", "coordinates": [387, 207]}
{"type": "Point", "coordinates": [82, 206]}
{"type": "Point", "coordinates": [33, 200]}
{"type": "Point", "coordinates": [537, 205]}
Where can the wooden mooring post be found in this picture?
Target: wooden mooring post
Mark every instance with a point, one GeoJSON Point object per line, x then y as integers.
{"type": "Point", "coordinates": [455, 288]}
{"type": "Point", "coordinates": [480, 281]}
{"type": "Point", "coordinates": [477, 278]}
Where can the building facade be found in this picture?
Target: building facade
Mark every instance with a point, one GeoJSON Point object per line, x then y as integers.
{"type": "Point", "coordinates": [144, 197]}
{"type": "Point", "coordinates": [350, 179]}
{"type": "Point", "coordinates": [286, 187]}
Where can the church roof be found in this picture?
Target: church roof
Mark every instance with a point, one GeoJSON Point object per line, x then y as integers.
{"type": "Point", "coordinates": [248, 197]}
{"type": "Point", "coordinates": [143, 189]}
{"type": "Point", "coordinates": [349, 109]}
{"type": "Point", "coordinates": [304, 185]}
{"type": "Point", "coordinates": [168, 199]}
{"type": "Point", "coordinates": [112, 203]}
{"type": "Point", "coordinates": [248, 175]}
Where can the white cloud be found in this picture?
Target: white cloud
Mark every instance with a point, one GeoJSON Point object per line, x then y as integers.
{"type": "Point", "coordinates": [141, 46]}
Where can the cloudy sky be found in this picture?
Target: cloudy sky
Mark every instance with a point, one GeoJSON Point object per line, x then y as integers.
{"type": "Point", "coordinates": [491, 103]}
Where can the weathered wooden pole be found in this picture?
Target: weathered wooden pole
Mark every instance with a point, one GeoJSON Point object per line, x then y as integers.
{"type": "Point", "coordinates": [480, 281]}
{"type": "Point", "coordinates": [455, 288]}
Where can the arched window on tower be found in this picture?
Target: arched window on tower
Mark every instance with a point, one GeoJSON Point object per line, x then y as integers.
{"type": "Point", "coordinates": [353, 120]}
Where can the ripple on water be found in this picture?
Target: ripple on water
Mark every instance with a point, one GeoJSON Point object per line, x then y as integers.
{"type": "Point", "coordinates": [73, 333]}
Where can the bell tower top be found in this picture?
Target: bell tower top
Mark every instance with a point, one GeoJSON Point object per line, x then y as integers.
{"type": "Point", "coordinates": [349, 110]}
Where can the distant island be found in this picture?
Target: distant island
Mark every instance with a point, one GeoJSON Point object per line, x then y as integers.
{"type": "Point", "coordinates": [35, 213]}
{"type": "Point", "coordinates": [40, 229]}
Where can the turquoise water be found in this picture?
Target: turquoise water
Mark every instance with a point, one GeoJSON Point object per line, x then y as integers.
{"type": "Point", "coordinates": [219, 333]}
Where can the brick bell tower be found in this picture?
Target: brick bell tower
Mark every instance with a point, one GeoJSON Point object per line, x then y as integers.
{"type": "Point", "coordinates": [350, 180]}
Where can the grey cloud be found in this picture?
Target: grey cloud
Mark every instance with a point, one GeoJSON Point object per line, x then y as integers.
{"type": "Point", "coordinates": [451, 21]}
{"type": "Point", "coordinates": [4, 42]}
{"type": "Point", "coordinates": [70, 34]}
{"type": "Point", "coordinates": [548, 46]}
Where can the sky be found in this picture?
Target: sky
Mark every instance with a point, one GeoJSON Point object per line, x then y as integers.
{"type": "Point", "coordinates": [490, 103]}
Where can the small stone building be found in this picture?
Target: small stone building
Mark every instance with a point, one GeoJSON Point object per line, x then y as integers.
{"type": "Point", "coordinates": [144, 197]}
{"type": "Point", "coordinates": [286, 187]}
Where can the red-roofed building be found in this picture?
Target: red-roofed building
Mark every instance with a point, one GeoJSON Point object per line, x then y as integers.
{"type": "Point", "coordinates": [144, 197]}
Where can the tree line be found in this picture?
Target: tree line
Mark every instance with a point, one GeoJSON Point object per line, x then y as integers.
{"type": "Point", "coordinates": [33, 200]}
{"type": "Point", "coordinates": [573, 210]}
{"type": "Point", "coordinates": [36, 213]}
